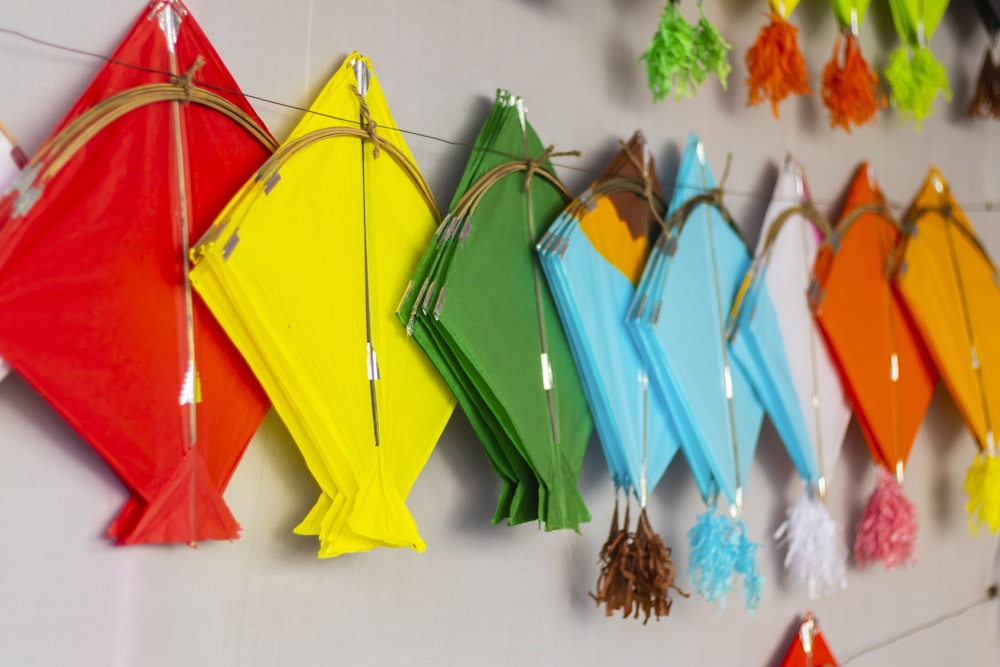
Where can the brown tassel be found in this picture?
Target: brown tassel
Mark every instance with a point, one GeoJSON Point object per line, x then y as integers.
{"type": "Point", "coordinates": [611, 583]}
{"type": "Point", "coordinates": [775, 64]}
{"type": "Point", "coordinates": [850, 91]}
{"type": "Point", "coordinates": [986, 103]}
{"type": "Point", "coordinates": [636, 571]}
{"type": "Point", "coordinates": [655, 571]}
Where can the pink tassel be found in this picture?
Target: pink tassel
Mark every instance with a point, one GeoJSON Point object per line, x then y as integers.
{"type": "Point", "coordinates": [888, 528]}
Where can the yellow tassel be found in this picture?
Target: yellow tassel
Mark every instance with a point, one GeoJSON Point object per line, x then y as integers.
{"type": "Point", "coordinates": [982, 483]}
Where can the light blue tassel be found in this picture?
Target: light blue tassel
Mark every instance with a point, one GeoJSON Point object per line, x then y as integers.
{"type": "Point", "coordinates": [746, 566]}
{"type": "Point", "coordinates": [721, 549]}
{"type": "Point", "coordinates": [714, 550]}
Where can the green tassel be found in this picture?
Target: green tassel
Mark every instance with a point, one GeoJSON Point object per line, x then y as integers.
{"type": "Point", "coordinates": [916, 81]}
{"type": "Point", "coordinates": [670, 59]}
{"type": "Point", "coordinates": [711, 51]}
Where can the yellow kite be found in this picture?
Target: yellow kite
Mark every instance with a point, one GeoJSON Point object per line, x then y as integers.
{"type": "Point", "coordinates": [304, 270]}
{"type": "Point", "coordinates": [952, 290]}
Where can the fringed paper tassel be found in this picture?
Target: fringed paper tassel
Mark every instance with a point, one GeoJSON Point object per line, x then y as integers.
{"type": "Point", "coordinates": [986, 103]}
{"type": "Point", "coordinates": [612, 585]}
{"type": "Point", "coordinates": [720, 550]}
{"type": "Point", "coordinates": [888, 528]}
{"type": "Point", "coordinates": [670, 57]}
{"type": "Point", "coordinates": [850, 90]}
{"type": "Point", "coordinates": [713, 554]}
{"type": "Point", "coordinates": [746, 567]}
{"type": "Point", "coordinates": [654, 575]}
{"type": "Point", "coordinates": [711, 50]}
{"type": "Point", "coordinates": [637, 573]}
{"type": "Point", "coordinates": [916, 81]}
{"type": "Point", "coordinates": [982, 483]}
{"type": "Point", "coordinates": [817, 555]}
{"type": "Point", "coordinates": [775, 64]}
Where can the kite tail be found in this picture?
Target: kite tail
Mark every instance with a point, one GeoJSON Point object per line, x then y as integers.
{"type": "Point", "coordinates": [816, 554]}
{"type": "Point", "coordinates": [850, 90]}
{"type": "Point", "coordinates": [336, 537]}
{"type": "Point", "coordinates": [564, 507]}
{"type": "Point", "coordinates": [312, 524]}
{"type": "Point", "coordinates": [507, 490]}
{"type": "Point", "coordinates": [916, 81]}
{"type": "Point", "coordinates": [986, 103]}
{"type": "Point", "coordinates": [775, 66]}
{"type": "Point", "coordinates": [187, 508]}
{"type": "Point", "coordinates": [328, 521]}
{"type": "Point", "coordinates": [525, 504]}
{"type": "Point", "coordinates": [379, 512]}
{"type": "Point", "coordinates": [982, 483]}
{"type": "Point", "coordinates": [888, 528]}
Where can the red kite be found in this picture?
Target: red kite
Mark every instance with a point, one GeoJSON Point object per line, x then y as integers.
{"type": "Point", "coordinates": [97, 311]}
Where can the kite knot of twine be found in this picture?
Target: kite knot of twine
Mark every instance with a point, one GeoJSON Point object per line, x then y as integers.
{"type": "Point", "coordinates": [711, 197]}
{"type": "Point", "coordinates": [534, 164]}
{"type": "Point", "coordinates": [647, 185]}
{"type": "Point", "coordinates": [368, 123]}
{"type": "Point", "coordinates": [186, 80]}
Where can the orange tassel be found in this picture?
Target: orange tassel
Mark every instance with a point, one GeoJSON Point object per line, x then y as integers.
{"type": "Point", "coordinates": [850, 91]}
{"type": "Point", "coordinates": [775, 64]}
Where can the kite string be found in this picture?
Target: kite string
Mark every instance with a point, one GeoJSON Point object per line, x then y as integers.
{"type": "Point", "coordinates": [991, 595]}
{"type": "Point", "coordinates": [987, 206]}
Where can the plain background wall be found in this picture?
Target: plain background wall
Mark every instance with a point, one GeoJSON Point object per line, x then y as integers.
{"type": "Point", "coordinates": [484, 594]}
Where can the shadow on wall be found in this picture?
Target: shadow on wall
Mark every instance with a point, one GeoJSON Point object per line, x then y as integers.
{"type": "Point", "coordinates": [478, 487]}
{"type": "Point", "coordinates": [46, 426]}
{"type": "Point", "coordinates": [944, 434]}
{"type": "Point", "coordinates": [281, 455]}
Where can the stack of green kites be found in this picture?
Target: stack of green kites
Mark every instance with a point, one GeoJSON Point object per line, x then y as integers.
{"type": "Point", "coordinates": [479, 306]}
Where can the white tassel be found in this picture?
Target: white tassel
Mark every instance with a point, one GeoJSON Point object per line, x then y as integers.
{"type": "Point", "coordinates": [817, 555]}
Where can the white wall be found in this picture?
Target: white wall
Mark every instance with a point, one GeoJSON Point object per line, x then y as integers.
{"type": "Point", "coordinates": [481, 594]}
